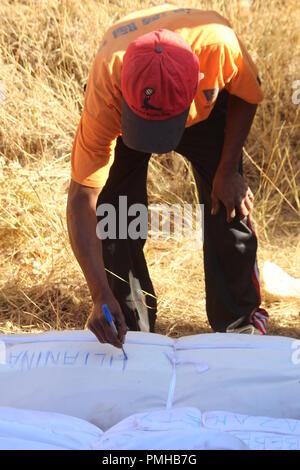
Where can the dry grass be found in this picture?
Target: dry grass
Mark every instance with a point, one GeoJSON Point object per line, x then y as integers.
{"type": "Point", "coordinates": [46, 49]}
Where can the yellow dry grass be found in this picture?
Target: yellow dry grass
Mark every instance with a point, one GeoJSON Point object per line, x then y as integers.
{"type": "Point", "coordinates": [46, 49]}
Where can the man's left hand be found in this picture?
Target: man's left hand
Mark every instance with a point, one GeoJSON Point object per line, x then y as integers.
{"type": "Point", "coordinates": [230, 189]}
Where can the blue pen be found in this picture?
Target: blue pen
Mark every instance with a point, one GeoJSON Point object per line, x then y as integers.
{"type": "Point", "coordinates": [109, 319]}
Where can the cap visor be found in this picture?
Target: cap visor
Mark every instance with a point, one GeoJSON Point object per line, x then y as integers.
{"type": "Point", "coordinates": [150, 136]}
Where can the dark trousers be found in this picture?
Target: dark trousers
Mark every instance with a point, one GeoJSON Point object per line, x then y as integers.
{"type": "Point", "coordinates": [232, 286]}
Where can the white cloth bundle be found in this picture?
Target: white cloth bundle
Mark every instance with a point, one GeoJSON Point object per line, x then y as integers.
{"type": "Point", "coordinates": [174, 429]}
{"type": "Point", "coordinates": [36, 430]}
{"type": "Point", "coordinates": [73, 374]}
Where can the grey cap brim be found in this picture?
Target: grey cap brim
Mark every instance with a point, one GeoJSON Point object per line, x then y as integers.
{"type": "Point", "coordinates": [150, 136]}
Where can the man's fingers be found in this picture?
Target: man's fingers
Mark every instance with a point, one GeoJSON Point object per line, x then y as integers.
{"type": "Point", "coordinates": [215, 205]}
{"type": "Point", "coordinates": [97, 331]}
{"type": "Point", "coordinates": [230, 212]}
{"type": "Point", "coordinates": [230, 215]}
{"type": "Point", "coordinates": [108, 333]}
{"type": "Point", "coordinates": [122, 328]}
{"type": "Point", "coordinates": [250, 194]}
{"type": "Point", "coordinates": [243, 209]}
{"type": "Point", "coordinates": [248, 203]}
{"type": "Point", "coordinates": [104, 333]}
{"type": "Point", "coordinates": [111, 337]}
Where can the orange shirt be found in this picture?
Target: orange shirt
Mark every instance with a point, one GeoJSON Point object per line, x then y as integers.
{"type": "Point", "coordinates": [223, 60]}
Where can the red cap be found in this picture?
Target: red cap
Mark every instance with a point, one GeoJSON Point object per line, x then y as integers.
{"type": "Point", "coordinates": [160, 75]}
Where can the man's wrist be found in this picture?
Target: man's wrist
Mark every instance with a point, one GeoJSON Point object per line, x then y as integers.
{"type": "Point", "coordinates": [99, 295]}
{"type": "Point", "coordinates": [227, 168]}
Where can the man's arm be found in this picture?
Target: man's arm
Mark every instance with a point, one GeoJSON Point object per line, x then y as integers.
{"type": "Point", "coordinates": [87, 247]}
{"type": "Point", "coordinates": [229, 186]}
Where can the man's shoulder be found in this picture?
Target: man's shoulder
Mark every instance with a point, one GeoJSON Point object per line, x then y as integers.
{"type": "Point", "coordinates": [215, 30]}
{"type": "Point", "coordinates": [199, 28]}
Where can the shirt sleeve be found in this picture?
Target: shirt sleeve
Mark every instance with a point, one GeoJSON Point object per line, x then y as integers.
{"type": "Point", "coordinates": [240, 74]}
{"type": "Point", "coordinates": [99, 126]}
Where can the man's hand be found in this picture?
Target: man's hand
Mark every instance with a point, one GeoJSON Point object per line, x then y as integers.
{"type": "Point", "coordinates": [87, 247]}
{"type": "Point", "coordinates": [99, 325]}
{"type": "Point", "coordinates": [231, 189]}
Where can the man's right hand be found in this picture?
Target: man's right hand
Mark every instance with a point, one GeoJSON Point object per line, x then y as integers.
{"type": "Point", "coordinates": [99, 325]}
{"type": "Point", "coordinates": [87, 247]}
